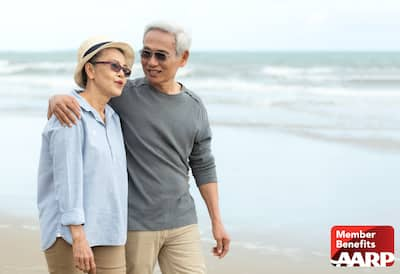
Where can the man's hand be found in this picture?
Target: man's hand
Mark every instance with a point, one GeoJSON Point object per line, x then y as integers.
{"type": "Point", "coordinates": [223, 240]}
{"type": "Point", "coordinates": [209, 192]}
{"type": "Point", "coordinates": [65, 107]}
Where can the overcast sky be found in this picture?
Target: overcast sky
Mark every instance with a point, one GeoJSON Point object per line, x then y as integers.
{"type": "Point", "coordinates": [214, 24]}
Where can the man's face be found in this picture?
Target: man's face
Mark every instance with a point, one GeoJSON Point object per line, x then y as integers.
{"type": "Point", "coordinates": [161, 73]}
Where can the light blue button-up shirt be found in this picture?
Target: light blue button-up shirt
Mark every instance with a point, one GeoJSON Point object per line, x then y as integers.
{"type": "Point", "coordinates": [83, 179]}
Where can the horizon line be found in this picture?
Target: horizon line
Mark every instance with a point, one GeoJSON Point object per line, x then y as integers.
{"type": "Point", "coordinates": [220, 50]}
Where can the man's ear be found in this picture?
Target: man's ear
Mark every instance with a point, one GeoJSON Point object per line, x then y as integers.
{"type": "Point", "coordinates": [184, 58]}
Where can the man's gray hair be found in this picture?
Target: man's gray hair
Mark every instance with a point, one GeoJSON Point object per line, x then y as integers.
{"type": "Point", "coordinates": [183, 40]}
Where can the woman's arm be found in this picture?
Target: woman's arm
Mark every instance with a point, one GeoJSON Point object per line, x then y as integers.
{"type": "Point", "coordinates": [66, 148]}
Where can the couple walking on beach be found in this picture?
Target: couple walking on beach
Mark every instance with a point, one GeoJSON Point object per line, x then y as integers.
{"type": "Point", "coordinates": [113, 192]}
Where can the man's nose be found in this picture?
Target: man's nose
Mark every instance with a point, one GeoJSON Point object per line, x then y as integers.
{"type": "Point", "coordinates": [153, 60]}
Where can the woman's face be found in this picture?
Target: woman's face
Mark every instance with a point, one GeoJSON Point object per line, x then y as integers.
{"type": "Point", "coordinates": [105, 77]}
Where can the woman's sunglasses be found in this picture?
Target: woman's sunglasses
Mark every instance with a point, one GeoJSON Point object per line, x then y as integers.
{"type": "Point", "coordinates": [115, 67]}
{"type": "Point", "coordinates": [159, 55]}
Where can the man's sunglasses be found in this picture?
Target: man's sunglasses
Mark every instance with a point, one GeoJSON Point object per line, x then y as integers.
{"type": "Point", "coordinates": [159, 55]}
{"type": "Point", "coordinates": [115, 67]}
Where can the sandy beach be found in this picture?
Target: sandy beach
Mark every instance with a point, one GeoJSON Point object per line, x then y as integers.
{"type": "Point", "coordinates": [21, 255]}
{"type": "Point", "coordinates": [280, 193]}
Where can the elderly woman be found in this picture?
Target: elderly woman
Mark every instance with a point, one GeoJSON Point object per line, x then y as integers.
{"type": "Point", "coordinates": [82, 180]}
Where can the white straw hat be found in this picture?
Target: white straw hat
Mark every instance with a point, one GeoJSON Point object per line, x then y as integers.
{"type": "Point", "coordinates": [92, 46]}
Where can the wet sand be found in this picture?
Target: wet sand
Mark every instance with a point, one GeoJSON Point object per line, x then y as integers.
{"type": "Point", "coordinates": [20, 254]}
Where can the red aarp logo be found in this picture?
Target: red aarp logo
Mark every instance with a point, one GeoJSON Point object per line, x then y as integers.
{"type": "Point", "coordinates": [365, 246]}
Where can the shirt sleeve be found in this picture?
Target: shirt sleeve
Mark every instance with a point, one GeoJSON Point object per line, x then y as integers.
{"type": "Point", "coordinates": [66, 150]}
{"type": "Point", "coordinates": [201, 159]}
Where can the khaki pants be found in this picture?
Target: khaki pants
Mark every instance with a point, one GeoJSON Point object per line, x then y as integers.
{"type": "Point", "coordinates": [178, 251]}
{"type": "Point", "coordinates": [108, 259]}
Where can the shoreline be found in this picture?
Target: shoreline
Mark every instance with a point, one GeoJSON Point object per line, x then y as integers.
{"type": "Point", "coordinates": [359, 138]}
{"type": "Point", "coordinates": [21, 254]}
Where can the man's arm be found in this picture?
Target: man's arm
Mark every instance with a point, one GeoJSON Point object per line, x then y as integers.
{"type": "Point", "coordinates": [203, 168]}
{"type": "Point", "coordinates": [209, 192]}
{"type": "Point", "coordinates": [65, 107]}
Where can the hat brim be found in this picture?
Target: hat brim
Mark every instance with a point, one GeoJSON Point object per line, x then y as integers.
{"type": "Point", "coordinates": [127, 52]}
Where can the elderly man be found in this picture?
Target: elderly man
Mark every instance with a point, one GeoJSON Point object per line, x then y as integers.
{"type": "Point", "coordinates": [166, 132]}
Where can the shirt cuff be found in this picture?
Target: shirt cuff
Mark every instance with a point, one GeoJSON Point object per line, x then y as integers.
{"type": "Point", "coordinates": [74, 216]}
{"type": "Point", "coordinates": [202, 180]}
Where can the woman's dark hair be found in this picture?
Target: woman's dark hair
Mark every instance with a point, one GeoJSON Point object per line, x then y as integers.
{"type": "Point", "coordinates": [91, 60]}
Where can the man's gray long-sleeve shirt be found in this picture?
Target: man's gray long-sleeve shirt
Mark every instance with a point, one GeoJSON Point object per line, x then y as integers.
{"type": "Point", "coordinates": [165, 136]}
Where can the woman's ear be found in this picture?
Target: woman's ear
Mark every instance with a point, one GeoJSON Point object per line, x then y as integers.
{"type": "Point", "coordinates": [89, 69]}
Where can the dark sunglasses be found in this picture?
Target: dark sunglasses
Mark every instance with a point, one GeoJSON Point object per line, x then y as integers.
{"type": "Point", "coordinates": [159, 55]}
{"type": "Point", "coordinates": [115, 67]}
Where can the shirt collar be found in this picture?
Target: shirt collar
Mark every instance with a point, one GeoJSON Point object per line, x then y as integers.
{"type": "Point", "coordinates": [87, 107]}
{"type": "Point", "coordinates": [145, 81]}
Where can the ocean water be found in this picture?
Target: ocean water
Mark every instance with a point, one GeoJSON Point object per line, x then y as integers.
{"type": "Point", "coordinates": [303, 140]}
{"type": "Point", "coordinates": [334, 93]}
